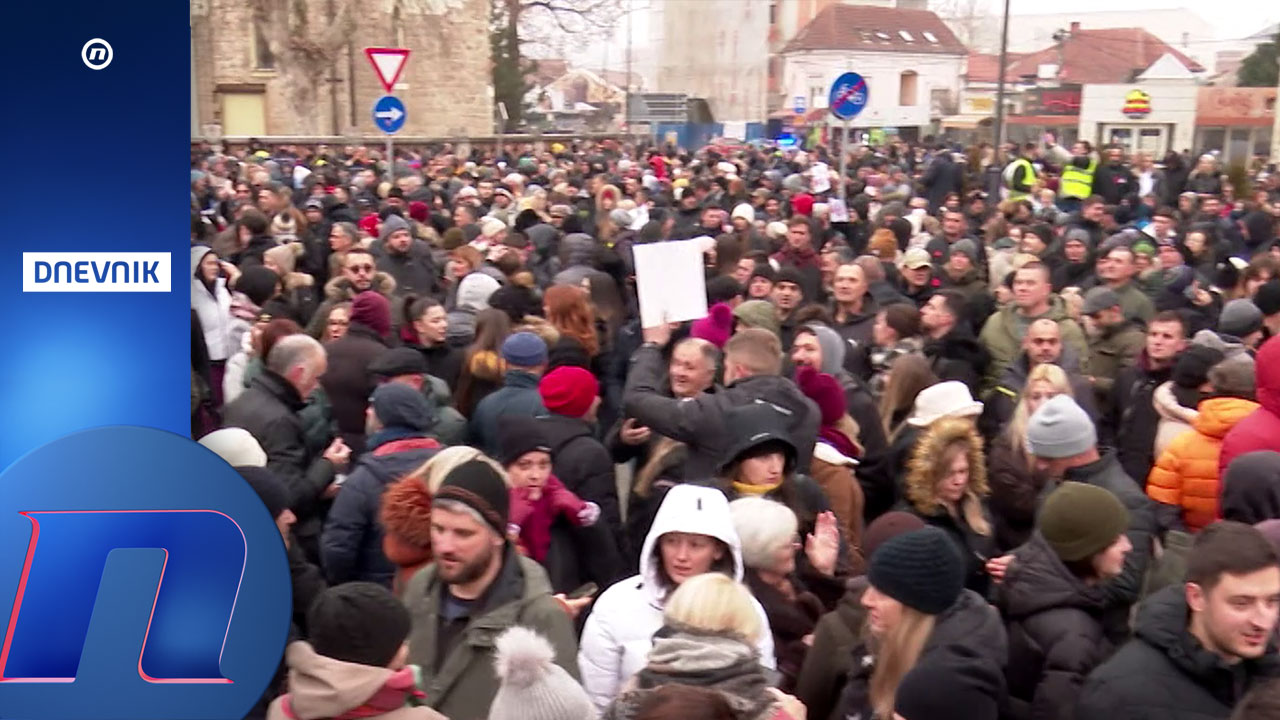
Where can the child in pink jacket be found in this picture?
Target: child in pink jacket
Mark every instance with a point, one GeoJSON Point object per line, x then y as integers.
{"type": "Point", "coordinates": [537, 496]}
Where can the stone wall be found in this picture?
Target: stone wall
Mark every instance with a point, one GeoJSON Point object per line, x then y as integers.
{"type": "Point", "coordinates": [446, 86]}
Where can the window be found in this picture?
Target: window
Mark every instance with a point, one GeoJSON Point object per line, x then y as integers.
{"type": "Point", "coordinates": [931, 37]}
{"type": "Point", "coordinates": [907, 83]}
{"type": "Point", "coordinates": [883, 36]}
{"type": "Point", "coordinates": [262, 57]}
{"type": "Point", "coordinates": [906, 36]}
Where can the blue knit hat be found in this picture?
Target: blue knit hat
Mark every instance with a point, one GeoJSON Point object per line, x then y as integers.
{"type": "Point", "coordinates": [524, 349]}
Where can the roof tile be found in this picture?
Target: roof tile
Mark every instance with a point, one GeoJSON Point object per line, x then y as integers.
{"type": "Point", "coordinates": [876, 29]}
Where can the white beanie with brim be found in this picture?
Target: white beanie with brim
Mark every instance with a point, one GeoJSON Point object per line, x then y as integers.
{"type": "Point", "coordinates": [943, 400]}
{"type": "Point", "coordinates": [236, 446]}
{"type": "Point", "coordinates": [1060, 429]}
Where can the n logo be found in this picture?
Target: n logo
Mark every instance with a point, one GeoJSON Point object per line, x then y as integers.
{"type": "Point", "coordinates": [141, 578]}
{"type": "Point", "coordinates": [201, 555]}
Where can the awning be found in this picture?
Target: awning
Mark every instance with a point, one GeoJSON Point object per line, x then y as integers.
{"type": "Point", "coordinates": [1044, 120]}
{"type": "Point", "coordinates": [964, 122]}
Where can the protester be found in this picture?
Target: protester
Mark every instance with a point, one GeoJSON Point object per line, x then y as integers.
{"type": "Point", "coordinates": [692, 534]}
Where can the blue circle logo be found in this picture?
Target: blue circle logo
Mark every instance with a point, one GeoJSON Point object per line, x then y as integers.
{"type": "Point", "coordinates": [140, 577]}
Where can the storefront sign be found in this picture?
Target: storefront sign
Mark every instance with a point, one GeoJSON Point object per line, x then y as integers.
{"type": "Point", "coordinates": [978, 105]}
{"type": "Point", "coordinates": [1063, 100]}
{"type": "Point", "coordinates": [1235, 106]}
{"type": "Point", "coordinates": [1137, 104]}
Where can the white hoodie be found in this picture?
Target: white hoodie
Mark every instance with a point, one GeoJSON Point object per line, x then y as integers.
{"type": "Point", "coordinates": [619, 632]}
{"type": "Point", "coordinates": [213, 309]}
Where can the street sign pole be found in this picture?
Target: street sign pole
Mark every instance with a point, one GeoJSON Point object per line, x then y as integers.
{"type": "Point", "coordinates": [391, 162]}
{"type": "Point", "coordinates": [389, 112]}
{"type": "Point", "coordinates": [844, 161]}
{"type": "Point", "coordinates": [848, 97]}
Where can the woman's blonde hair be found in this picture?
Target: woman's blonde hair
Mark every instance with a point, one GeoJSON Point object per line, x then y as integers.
{"type": "Point", "coordinates": [433, 472]}
{"type": "Point", "coordinates": [931, 461]}
{"type": "Point", "coordinates": [908, 375]}
{"type": "Point", "coordinates": [1017, 431]}
{"type": "Point", "coordinates": [896, 654]}
{"type": "Point", "coordinates": [712, 602]}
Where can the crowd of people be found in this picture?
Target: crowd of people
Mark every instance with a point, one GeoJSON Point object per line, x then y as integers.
{"type": "Point", "coordinates": [995, 436]}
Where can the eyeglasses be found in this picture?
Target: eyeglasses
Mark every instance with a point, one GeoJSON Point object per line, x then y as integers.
{"type": "Point", "coordinates": [360, 268]}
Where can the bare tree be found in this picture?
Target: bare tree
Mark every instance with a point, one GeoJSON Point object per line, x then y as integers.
{"type": "Point", "coordinates": [968, 19]}
{"type": "Point", "coordinates": [304, 51]}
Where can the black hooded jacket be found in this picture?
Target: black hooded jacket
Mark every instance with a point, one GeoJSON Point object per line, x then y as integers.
{"type": "Point", "coordinates": [1056, 639]}
{"type": "Point", "coordinates": [1251, 488]}
{"type": "Point", "coordinates": [1164, 673]}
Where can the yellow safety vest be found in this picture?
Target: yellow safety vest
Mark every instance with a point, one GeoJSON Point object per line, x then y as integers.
{"type": "Point", "coordinates": [1078, 183]}
{"type": "Point", "coordinates": [1008, 178]}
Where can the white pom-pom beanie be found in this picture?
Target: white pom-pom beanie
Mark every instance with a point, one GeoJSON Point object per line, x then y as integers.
{"type": "Point", "coordinates": [533, 686]}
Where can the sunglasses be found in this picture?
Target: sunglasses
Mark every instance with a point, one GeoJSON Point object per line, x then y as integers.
{"type": "Point", "coordinates": [360, 268]}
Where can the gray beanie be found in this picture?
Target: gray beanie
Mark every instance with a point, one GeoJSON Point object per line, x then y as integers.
{"type": "Point", "coordinates": [1060, 429]}
{"type": "Point", "coordinates": [1240, 318]}
{"type": "Point", "coordinates": [1234, 377]}
{"type": "Point", "coordinates": [400, 406]}
{"type": "Point", "coordinates": [966, 246]}
{"type": "Point", "coordinates": [391, 224]}
{"type": "Point", "coordinates": [475, 290]}
{"type": "Point", "coordinates": [532, 686]}
{"type": "Point", "coordinates": [832, 347]}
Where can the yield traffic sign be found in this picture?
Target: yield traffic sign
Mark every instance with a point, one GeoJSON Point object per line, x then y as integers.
{"type": "Point", "coordinates": [388, 64]}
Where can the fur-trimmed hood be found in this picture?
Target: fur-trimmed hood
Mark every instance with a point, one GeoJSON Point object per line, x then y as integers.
{"type": "Point", "coordinates": [922, 480]}
{"type": "Point", "coordinates": [1168, 406]}
{"type": "Point", "coordinates": [339, 289]}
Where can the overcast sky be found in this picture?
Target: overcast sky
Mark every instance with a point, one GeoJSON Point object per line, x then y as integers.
{"type": "Point", "coordinates": [1229, 19]}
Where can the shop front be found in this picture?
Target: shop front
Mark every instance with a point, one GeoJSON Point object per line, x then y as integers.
{"type": "Point", "coordinates": [1151, 117]}
{"type": "Point", "coordinates": [1053, 110]}
{"type": "Point", "coordinates": [1235, 122]}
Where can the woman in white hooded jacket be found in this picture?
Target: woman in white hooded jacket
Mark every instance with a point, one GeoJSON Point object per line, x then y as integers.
{"type": "Point", "coordinates": [692, 533]}
{"type": "Point", "coordinates": [211, 301]}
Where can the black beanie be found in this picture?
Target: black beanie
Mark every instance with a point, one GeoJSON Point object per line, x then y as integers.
{"type": "Point", "coordinates": [791, 274]}
{"type": "Point", "coordinates": [921, 569]}
{"type": "Point", "coordinates": [358, 622]}
{"type": "Point", "coordinates": [258, 283]}
{"type": "Point", "coordinates": [270, 488]}
{"type": "Point", "coordinates": [518, 435]}
{"type": "Point", "coordinates": [478, 486]}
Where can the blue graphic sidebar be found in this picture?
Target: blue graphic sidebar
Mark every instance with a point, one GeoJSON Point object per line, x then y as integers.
{"type": "Point", "coordinates": [105, 168]}
{"type": "Point", "coordinates": [140, 577]}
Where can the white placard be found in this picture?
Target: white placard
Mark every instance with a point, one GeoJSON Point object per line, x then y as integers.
{"type": "Point", "coordinates": [838, 211]}
{"type": "Point", "coordinates": [670, 282]}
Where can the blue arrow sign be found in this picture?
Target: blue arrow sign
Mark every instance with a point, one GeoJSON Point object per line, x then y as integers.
{"type": "Point", "coordinates": [389, 114]}
{"type": "Point", "coordinates": [848, 95]}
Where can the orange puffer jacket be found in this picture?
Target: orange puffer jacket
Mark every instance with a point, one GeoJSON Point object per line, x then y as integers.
{"type": "Point", "coordinates": [1186, 475]}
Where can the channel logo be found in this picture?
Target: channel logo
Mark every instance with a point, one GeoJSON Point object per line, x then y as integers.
{"type": "Point", "coordinates": [140, 577]}
{"type": "Point", "coordinates": [96, 272]}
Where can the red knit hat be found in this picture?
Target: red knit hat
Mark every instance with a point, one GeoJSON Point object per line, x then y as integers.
{"type": "Point", "coordinates": [824, 390]}
{"type": "Point", "coordinates": [373, 311]}
{"type": "Point", "coordinates": [419, 211]}
{"type": "Point", "coordinates": [568, 391]}
{"type": "Point", "coordinates": [802, 204]}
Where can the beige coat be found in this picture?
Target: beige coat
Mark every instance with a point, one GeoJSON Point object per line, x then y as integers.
{"type": "Point", "coordinates": [321, 687]}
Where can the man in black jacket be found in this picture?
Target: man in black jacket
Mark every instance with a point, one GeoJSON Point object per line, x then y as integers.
{"type": "Point", "coordinates": [405, 258]}
{"type": "Point", "coordinates": [1129, 420]}
{"type": "Point", "coordinates": [397, 423]}
{"type": "Point", "coordinates": [950, 346]}
{"type": "Point", "coordinates": [1199, 647]}
{"type": "Point", "coordinates": [268, 409]}
{"type": "Point", "coordinates": [752, 368]}
{"type": "Point", "coordinates": [1114, 181]}
{"type": "Point", "coordinates": [943, 178]}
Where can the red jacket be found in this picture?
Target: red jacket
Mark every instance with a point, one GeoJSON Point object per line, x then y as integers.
{"type": "Point", "coordinates": [1260, 430]}
{"type": "Point", "coordinates": [534, 517]}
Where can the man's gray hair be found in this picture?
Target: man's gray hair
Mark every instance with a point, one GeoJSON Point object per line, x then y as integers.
{"type": "Point", "coordinates": [872, 270]}
{"type": "Point", "coordinates": [708, 350]}
{"type": "Point", "coordinates": [293, 350]}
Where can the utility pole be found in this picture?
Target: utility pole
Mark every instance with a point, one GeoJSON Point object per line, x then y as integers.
{"type": "Point", "coordinates": [1004, 66]}
{"type": "Point", "coordinates": [627, 101]}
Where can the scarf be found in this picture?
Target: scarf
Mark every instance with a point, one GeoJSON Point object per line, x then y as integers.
{"type": "Point", "coordinates": [838, 440]}
{"type": "Point", "coordinates": [761, 490]}
{"type": "Point", "coordinates": [716, 661]}
{"type": "Point", "coordinates": [399, 691]}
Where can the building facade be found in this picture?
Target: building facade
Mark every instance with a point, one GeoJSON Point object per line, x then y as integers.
{"type": "Point", "coordinates": [911, 61]}
{"type": "Point", "coordinates": [239, 90]}
{"type": "Point", "coordinates": [713, 49]}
